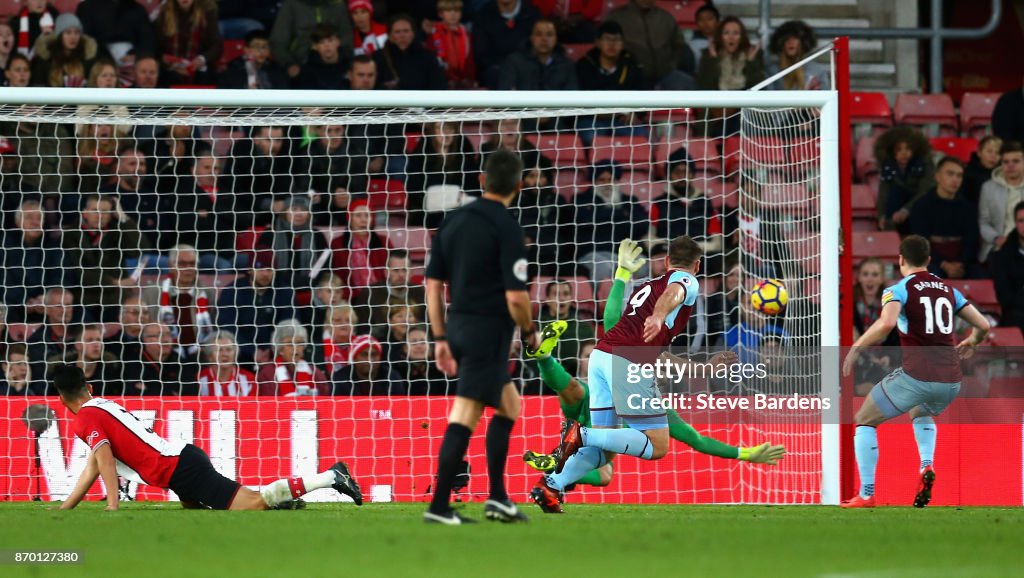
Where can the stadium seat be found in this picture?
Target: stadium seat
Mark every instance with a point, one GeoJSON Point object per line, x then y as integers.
{"type": "Point", "coordinates": [582, 291]}
{"type": "Point", "coordinates": [707, 158]}
{"type": "Point", "coordinates": [577, 51]}
{"type": "Point", "coordinates": [805, 249]}
{"type": "Point", "coordinates": [933, 112]}
{"type": "Point", "coordinates": [1006, 337]}
{"type": "Point", "coordinates": [415, 240]}
{"type": "Point", "coordinates": [882, 244]}
{"type": "Point", "coordinates": [864, 155]}
{"type": "Point", "coordinates": [863, 201]}
{"type": "Point", "coordinates": [386, 194]}
{"type": "Point", "coordinates": [804, 155]}
{"type": "Point", "coordinates": [980, 292]}
{"type": "Point", "coordinates": [245, 241]}
{"type": "Point", "coordinates": [232, 50]}
{"type": "Point", "coordinates": [638, 184]}
{"type": "Point", "coordinates": [65, 6]}
{"type": "Point", "coordinates": [564, 149]}
{"type": "Point", "coordinates": [976, 113]}
{"type": "Point", "coordinates": [870, 108]}
{"type": "Point", "coordinates": [9, 8]}
{"type": "Point", "coordinates": [955, 146]}
{"type": "Point", "coordinates": [684, 11]}
{"type": "Point", "coordinates": [629, 151]}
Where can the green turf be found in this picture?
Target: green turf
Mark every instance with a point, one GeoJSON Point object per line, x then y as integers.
{"type": "Point", "coordinates": [647, 541]}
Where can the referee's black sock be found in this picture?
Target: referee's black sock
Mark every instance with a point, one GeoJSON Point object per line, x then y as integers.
{"type": "Point", "coordinates": [497, 453]}
{"type": "Point", "coordinates": [453, 449]}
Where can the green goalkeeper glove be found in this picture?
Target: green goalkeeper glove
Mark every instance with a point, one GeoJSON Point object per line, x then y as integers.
{"type": "Point", "coordinates": [765, 453]}
{"type": "Point", "coordinates": [631, 259]}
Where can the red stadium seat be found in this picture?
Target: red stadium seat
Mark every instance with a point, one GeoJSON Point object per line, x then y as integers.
{"type": "Point", "coordinates": [863, 201]}
{"type": "Point", "coordinates": [704, 152]}
{"type": "Point", "coordinates": [976, 112]}
{"type": "Point", "coordinates": [639, 185]}
{"type": "Point", "coordinates": [415, 240]}
{"type": "Point", "coordinates": [881, 244]}
{"type": "Point", "coordinates": [386, 194]}
{"type": "Point", "coordinates": [980, 292]}
{"type": "Point", "coordinates": [9, 8]}
{"type": "Point", "coordinates": [577, 51]}
{"type": "Point", "coordinates": [582, 291]}
{"type": "Point", "coordinates": [232, 50]}
{"type": "Point", "coordinates": [1006, 337]}
{"type": "Point", "coordinates": [804, 154]}
{"type": "Point", "coordinates": [564, 149]}
{"type": "Point", "coordinates": [927, 110]}
{"type": "Point", "coordinates": [871, 108]}
{"type": "Point", "coordinates": [865, 162]}
{"type": "Point", "coordinates": [631, 151]}
{"type": "Point", "coordinates": [805, 250]}
{"type": "Point", "coordinates": [684, 11]}
{"type": "Point", "coordinates": [955, 146]}
{"type": "Point", "coordinates": [245, 241]}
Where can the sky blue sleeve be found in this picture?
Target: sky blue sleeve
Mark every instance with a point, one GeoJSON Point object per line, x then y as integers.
{"type": "Point", "coordinates": [689, 282]}
{"type": "Point", "coordinates": [959, 300]}
{"type": "Point", "coordinates": [897, 292]}
{"type": "Point", "coordinates": [692, 287]}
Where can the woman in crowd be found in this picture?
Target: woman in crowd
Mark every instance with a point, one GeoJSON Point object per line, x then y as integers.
{"type": "Point", "coordinates": [222, 375]}
{"type": "Point", "coordinates": [905, 162]}
{"type": "Point", "coordinates": [190, 42]}
{"type": "Point", "coordinates": [867, 306]}
{"type": "Point", "coordinates": [730, 61]}
{"type": "Point", "coordinates": [979, 170]}
{"type": "Point", "coordinates": [442, 157]}
{"type": "Point", "coordinates": [290, 374]}
{"type": "Point", "coordinates": [18, 71]}
{"type": "Point", "coordinates": [418, 367]}
{"type": "Point", "coordinates": [65, 57]}
{"type": "Point", "coordinates": [791, 43]}
{"type": "Point", "coordinates": [360, 254]}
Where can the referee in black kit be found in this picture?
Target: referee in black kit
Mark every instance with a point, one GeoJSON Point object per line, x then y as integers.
{"type": "Point", "coordinates": [479, 252]}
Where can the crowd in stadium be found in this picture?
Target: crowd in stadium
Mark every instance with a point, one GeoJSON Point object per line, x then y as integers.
{"type": "Point", "coordinates": [164, 263]}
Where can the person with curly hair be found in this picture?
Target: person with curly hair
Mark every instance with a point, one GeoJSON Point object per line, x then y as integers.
{"type": "Point", "coordinates": [790, 43]}
{"type": "Point", "coordinates": [905, 161]}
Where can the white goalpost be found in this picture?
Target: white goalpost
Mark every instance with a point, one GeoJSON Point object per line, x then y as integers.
{"type": "Point", "coordinates": [309, 216]}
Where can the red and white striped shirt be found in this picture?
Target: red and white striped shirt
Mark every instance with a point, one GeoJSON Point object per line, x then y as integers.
{"type": "Point", "coordinates": [140, 454]}
{"type": "Point", "coordinates": [241, 383]}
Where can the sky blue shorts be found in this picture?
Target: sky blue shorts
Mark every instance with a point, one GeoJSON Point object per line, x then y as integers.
{"type": "Point", "coordinates": [899, 393]}
{"type": "Point", "coordinates": [613, 399]}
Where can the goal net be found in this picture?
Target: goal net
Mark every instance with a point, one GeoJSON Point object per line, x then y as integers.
{"type": "Point", "coordinates": [244, 271]}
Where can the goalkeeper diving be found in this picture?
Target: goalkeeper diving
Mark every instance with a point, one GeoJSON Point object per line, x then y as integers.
{"type": "Point", "coordinates": [574, 394]}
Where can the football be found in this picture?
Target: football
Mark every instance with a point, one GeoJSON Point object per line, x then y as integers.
{"type": "Point", "coordinates": [769, 297]}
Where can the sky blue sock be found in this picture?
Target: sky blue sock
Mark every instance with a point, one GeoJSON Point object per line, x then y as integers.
{"type": "Point", "coordinates": [576, 467]}
{"type": "Point", "coordinates": [925, 434]}
{"type": "Point", "coordinates": [865, 444]}
{"type": "Point", "coordinates": [621, 441]}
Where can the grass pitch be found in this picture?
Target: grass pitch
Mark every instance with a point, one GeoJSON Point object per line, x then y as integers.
{"type": "Point", "coordinates": [391, 540]}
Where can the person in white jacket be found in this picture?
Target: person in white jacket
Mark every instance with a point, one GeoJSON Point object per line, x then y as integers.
{"type": "Point", "coordinates": [998, 197]}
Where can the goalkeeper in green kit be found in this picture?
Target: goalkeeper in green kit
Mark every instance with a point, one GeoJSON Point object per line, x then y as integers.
{"type": "Point", "coordinates": [574, 395]}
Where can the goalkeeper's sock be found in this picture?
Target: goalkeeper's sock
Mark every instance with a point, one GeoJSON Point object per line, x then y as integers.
{"type": "Point", "coordinates": [453, 449]}
{"type": "Point", "coordinates": [684, 432]}
{"type": "Point", "coordinates": [621, 441]}
{"type": "Point", "coordinates": [553, 374]}
{"type": "Point", "coordinates": [497, 453]}
{"type": "Point", "coordinates": [591, 478]}
{"type": "Point", "coordinates": [865, 444]}
{"type": "Point", "coordinates": [925, 434]}
{"type": "Point", "coordinates": [576, 467]}
{"type": "Point", "coordinates": [285, 490]}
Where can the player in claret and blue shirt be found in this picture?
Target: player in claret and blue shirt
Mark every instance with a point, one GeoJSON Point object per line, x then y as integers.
{"type": "Point", "coordinates": [922, 307]}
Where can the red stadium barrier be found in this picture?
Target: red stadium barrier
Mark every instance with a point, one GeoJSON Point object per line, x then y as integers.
{"type": "Point", "coordinates": [393, 453]}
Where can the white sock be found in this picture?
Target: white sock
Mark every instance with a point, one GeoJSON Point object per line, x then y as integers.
{"type": "Point", "coordinates": [285, 490]}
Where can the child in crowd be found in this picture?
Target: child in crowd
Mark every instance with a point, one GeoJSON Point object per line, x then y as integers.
{"type": "Point", "coordinates": [325, 69]}
{"type": "Point", "coordinates": [451, 43]}
{"type": "Point", "coordinates": [979, 170]}
{"type": "Point", "coordinates": [368, 35]}
{"type": "Point", "coordinates": [904, 159]}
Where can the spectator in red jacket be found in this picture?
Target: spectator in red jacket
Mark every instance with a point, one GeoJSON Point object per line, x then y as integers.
{"type": "Point", "coordinates": [360, 254]}
{"type": "Point", "coordinates": [450, 41]}
{"type": "Point", "coordinates": [576, 20]}
{"type": "Point", "coordinates": [368, 36]}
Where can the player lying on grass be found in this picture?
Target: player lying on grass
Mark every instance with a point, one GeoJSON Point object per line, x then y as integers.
{"type": "Point", "coordinates": [120, 444]}
{"type": "Point", "coordinates": [922, 307]}
{"type": "Point", "coordinates": [574, 394]}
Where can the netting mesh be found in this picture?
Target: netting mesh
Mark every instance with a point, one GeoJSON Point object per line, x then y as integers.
{"type": "Point", "coordinates": [251, 279]}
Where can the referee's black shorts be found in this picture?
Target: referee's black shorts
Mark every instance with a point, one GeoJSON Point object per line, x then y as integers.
{"type": "Point", "coordinates": [195, 480]}
{"type": "Point", "coordinates": [481, 346]}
